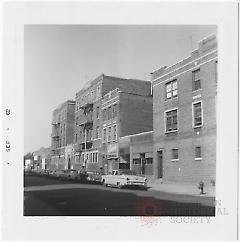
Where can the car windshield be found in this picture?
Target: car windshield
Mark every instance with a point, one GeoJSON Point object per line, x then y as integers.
{"type": "Point", "coordinates": [127, 172]}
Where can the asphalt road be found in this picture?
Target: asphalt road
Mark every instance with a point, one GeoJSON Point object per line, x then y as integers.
{"type": "Point", "coordinates": [50, 197]}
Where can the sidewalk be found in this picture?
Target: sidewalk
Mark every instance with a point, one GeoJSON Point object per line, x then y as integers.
{"type": "Point", "coordinates": [183, 189]}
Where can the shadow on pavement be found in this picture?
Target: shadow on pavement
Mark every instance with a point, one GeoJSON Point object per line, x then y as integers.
{"type": "Point", "coordinates": [97, 202]}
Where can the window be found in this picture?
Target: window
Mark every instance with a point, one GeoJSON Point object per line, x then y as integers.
{"type": "Point", "coordinates": [98, 92]}
{"type": "Point", "coordinates": [174, 154]}
{"type": "Point", "coordinates": [90, 134]}
{"type": "Point", "coordinates": [97, 132]}
{"type": "Point", "coordinates": [149, 161]}
{"type": "Point", "coordinates": [136, 161]}
{"type": "Point", "coordinates": [196, 82]}
{"type": "Point", "coordinates": [109, 112]}
{"type": "Point", "coordinates": [198, 155]}
{"type": "Point", "coordinates": [77, 120]}
{"type": "Point", "coordinates": [91, 157]}
{"type": "Point", "coordinates": [95, 157]}
{"type": "Point", "coordinates": [171, 89]}
{"type": "Point", "coordinates": [171, 121]}
{"type": "Point", "coordinates": [197, 114]}
{"type": "Point", "coordinates": [104, 114]}
{"type": "Point", "coordinates": [97, 112]}
{"type": "Point", "coordinates": [114, 110]}
{"type": "Point", "coordinates": [115, 132]}
{"type": "Point", "coordinates": [109, 133]}
{"type": "Point", "coordinates": [104, 135]}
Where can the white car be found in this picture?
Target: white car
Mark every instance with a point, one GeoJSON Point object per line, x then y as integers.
{"type": "Point", "coordinates": [124, 177]}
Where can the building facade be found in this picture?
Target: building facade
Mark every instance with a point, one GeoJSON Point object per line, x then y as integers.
{"type": "Point", "coordinates": [124, 114]}
{"type": "Point", "coordinates": [139, 149]}
{"type": "Point", "coordinates": [89, 117]}
{"type": "Point", "coordinates": [184, 117]}
{"type": "Point", "coordinates": [62, 133]}
{"type": "Point", "coordinates": [42, 158]}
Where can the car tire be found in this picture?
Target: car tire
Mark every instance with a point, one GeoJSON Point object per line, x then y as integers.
{"type": "Point", "coordinates": [104, 183]}
{"type": "Point", "coordinates": [119, 185]}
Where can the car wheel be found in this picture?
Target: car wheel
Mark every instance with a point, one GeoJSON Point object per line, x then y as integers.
{"type": "Point", "coordinates": [104, 183]}
{"type": "Point", "coordinates": [119, 185]}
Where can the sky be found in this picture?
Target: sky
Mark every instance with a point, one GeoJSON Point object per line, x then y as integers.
{"type": "Point", "coordinates": [60, 59]}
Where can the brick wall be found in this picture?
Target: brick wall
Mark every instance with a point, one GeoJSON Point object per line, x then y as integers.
{"type": "Point", "coordinates": [126, 85]}
{"type": "Point", "coordinates": [135, 114]}
{"type": "Point", "coordinates": [186, 168]}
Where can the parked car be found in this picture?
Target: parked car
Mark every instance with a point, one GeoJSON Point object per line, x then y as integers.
{"type": "Point", "coordinates": [71, 174]}
{"type": "Point", "coordinates": [63, 175]}
{"type": "Point", "coordinates": [94, 176]}
{"type": "Point", "coordinates": [82, 176]}
{"type": "Point", "coordinates": [124, 177]}
{"type": "Point", "coordinates": [53, 173]}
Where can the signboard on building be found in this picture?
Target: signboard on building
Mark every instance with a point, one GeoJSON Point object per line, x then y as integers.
{"type": "Point", "coordinates": [112, 151]}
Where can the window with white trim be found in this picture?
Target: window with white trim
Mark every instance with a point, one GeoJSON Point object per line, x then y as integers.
{"type": "Point", "coordinates": [104, 135]}
{"type": "Point", "coordinates": [109, 133]}
{"type": "Point", "coordinates": [104, 114]}
{"type": "Point", "coordinates": [171, 121]}
{"type": "Point", "coordinates": [115, 132]}
{"type": "Point", "coordinates": [198, 153]}
{"type": "Point", "coordinates": [196, 81]}
{"type": "Point", "coordinates": [114, 110]}
{"type": "Point", "coordinates": [174, 154]}
{"type": "Point", "coordinates": [98, 92]}
{"type": "Point", "coordinates": [197, 114]}
{"type": "Point", "coordinates": [171, 89]}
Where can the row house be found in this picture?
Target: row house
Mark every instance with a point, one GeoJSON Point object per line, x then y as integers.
{"type": "Point", "coordinates": [90, 116]}
{"type": "Point", "coordinates": [62, 134]}
{"type": "Point", "coordinates": [184, 117]}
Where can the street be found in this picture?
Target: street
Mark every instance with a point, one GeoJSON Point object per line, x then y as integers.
{"type": "Point", "coordinates": [45, 196]}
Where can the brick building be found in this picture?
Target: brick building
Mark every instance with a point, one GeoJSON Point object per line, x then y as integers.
{"type": "Point", "coordinates": [124, 114]}
{"type": "Point", "coordinates": [139, 148]}
{"type": "Point", "coordinates": [184, 117]}
{"type": "Point", "coordinates": [62, 132]}
{"type": "Point", "coordinates": [91, 116]}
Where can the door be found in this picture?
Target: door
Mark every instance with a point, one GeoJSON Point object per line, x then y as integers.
{"type": "Point", "coordinates": [160, 163]}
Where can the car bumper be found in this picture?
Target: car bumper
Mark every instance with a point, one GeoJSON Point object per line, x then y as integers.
{"type": "Point", "coordinates": [136, 183]}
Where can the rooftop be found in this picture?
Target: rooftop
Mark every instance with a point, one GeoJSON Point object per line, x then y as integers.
{"type": "Point", "coordinates": [204, 45]}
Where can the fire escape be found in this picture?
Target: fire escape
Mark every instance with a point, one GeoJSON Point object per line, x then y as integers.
{"type": "Point", "coordinates": [87, 126]}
